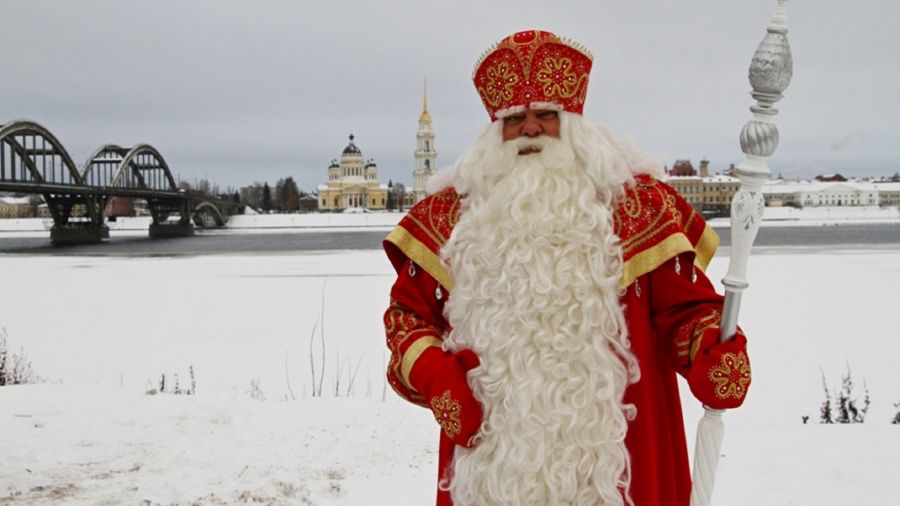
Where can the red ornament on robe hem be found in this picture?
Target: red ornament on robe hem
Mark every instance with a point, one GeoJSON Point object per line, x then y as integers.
{"type": "Point", "coordinates": [671, 310]}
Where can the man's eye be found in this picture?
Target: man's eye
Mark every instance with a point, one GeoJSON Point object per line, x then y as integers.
{"type": "Point", "coordinates": [547, 115]}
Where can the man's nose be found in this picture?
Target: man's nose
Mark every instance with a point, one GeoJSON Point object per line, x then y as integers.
{"type": "Point", "coordinates": [531, 127]}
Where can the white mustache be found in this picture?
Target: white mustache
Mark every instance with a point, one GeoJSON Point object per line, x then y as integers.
{"type": "Point", "coordinates": [533, 144]}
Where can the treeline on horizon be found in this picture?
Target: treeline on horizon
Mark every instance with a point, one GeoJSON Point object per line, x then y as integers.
{"type": "Point", "coordinates": [284, 197]}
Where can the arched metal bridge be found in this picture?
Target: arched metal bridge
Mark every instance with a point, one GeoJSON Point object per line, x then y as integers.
{"type": "Point", "coordinates": [32, 160]}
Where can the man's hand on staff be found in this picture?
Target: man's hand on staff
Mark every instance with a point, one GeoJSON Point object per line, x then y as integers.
{"type": "Point", "coordinates": [720, 373]}
{"type": "Point", "coordinates": [441, 377]}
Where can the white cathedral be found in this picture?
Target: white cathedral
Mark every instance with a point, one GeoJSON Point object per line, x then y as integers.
{"type": "Point", "coordinates": [353, 182]}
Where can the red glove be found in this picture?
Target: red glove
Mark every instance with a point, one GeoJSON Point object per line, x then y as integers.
{"type": "Point", "coordinates": [720, 373]}
{"type": "Point", "coordinates": [440, 376]}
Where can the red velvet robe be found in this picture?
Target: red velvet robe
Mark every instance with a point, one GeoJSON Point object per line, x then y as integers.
{"type": "Point", "coordinates": [671, 309]}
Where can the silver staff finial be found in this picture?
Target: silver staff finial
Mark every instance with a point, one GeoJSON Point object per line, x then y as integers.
{"type": "Point", "coordinates": [770, 74]}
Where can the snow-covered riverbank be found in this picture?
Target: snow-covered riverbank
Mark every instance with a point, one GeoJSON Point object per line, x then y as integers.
{"type": "Point", "coordinates": [109, 327]}
{"type": "Point", "coordinates": [245, 223]}
{"type": "Point", "coordinates": [813, 216]}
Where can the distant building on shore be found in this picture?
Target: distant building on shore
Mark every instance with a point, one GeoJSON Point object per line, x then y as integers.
{"type": "Point", "coordinates": [16, 207]}
{"type": "Point", "coordinates": [120, 206]}
{"type": "Point", "coordinates": [352, 183]}
{"type": "Point", "coordinates": [710, 195]}
{"type": "Point", "coordinates": [830, 194]}
{"type": "Point", "coordinates": [831, 178]}
{"type": "Point", "coordinates": [888, 193]}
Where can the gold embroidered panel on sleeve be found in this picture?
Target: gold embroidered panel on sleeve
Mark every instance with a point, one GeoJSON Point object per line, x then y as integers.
{"type": "Point", "coordinates": [687, 337]}
{"type": "Point", "coordinates": [703, 324]}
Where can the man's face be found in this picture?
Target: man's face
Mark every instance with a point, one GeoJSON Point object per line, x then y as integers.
{"type": "Point", "coordinates": [531, 123]}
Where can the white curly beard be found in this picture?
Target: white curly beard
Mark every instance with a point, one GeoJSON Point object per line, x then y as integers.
{"type": "Point", "coordinates": [536, 268]}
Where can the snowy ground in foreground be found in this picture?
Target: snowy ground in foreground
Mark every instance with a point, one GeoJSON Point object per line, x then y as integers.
{"type": "Point", "coordinates": [109, 327]}
{"type": "Point", "coordinates": [66, 446]}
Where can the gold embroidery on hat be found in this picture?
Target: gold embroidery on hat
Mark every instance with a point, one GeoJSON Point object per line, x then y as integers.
{"type": "Point", "coordinates": [500, 82]}
{"type": "Point", "coordinates": [558, 79]}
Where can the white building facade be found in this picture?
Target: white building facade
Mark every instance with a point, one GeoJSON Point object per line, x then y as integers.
{"type": "Point", "coordinates": [15, 207]}
{"type": "Point", "coordinates": [352, 183]}
{"type": "Point", "coordinates": [711, 195]}
{"type": "Point", "coordinates": [838, 194]}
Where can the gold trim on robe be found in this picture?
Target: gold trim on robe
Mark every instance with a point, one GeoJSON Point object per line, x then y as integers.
{"type": "Point", "coordinates": [422, 233]}
{"type": "Point", "coordinates": [653, 222]}
{"type": "Point", "coordinates": [419, 253]}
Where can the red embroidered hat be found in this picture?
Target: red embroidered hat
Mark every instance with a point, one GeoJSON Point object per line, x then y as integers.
{"type": "Point", "coordinates": [533, 69]}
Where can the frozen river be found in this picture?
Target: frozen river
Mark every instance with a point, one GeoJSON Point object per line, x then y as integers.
{"type": "Point", "coordinates": [287, 241]}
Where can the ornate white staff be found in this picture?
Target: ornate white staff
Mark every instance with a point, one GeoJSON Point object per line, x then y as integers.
{"type": "Point", "coordinates": [770, 73]}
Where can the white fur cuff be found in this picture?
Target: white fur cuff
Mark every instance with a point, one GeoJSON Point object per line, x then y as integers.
{"type": "Point", "coordinates": [509, 111]}
{"type": "Point", "coordinates": [545, 106]}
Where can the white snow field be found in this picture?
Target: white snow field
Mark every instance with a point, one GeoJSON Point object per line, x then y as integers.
{"type": "Point", "coordinates": [101, 331]}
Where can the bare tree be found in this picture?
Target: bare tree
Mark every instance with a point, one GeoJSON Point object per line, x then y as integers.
{"type": "Point", "coordinates": [352, 379]}
{"type": "Point", "coordinates": [320, 323]}
{"type": "Point", "coordinates": [322, 336]}
{"type": "Point", "coordinates": [312, 360]}
{"type": "Point", "coordinates": [287, 376]}
{"type": "Point", "coordinates": [2, 357]}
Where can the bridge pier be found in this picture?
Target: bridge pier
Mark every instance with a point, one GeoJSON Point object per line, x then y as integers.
{"type": "Point", "coordinates": [160, 231]}
{"type": "Point", "coordinates": [88, 233]}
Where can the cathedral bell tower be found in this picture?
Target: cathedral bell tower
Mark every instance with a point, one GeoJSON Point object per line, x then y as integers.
{"type": "Point", "coordinates": [426, 156]}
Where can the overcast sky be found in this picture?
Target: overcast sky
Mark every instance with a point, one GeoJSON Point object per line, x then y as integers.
{"type": "Point", "coordinates": [255, 91]}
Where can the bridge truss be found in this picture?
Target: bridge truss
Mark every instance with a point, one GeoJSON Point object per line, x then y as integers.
{"type": "Point", "coordinates": [32, 160]}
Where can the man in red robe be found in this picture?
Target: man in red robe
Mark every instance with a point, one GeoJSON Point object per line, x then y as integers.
{"type": "Point", "coordinates": [549, 290]}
